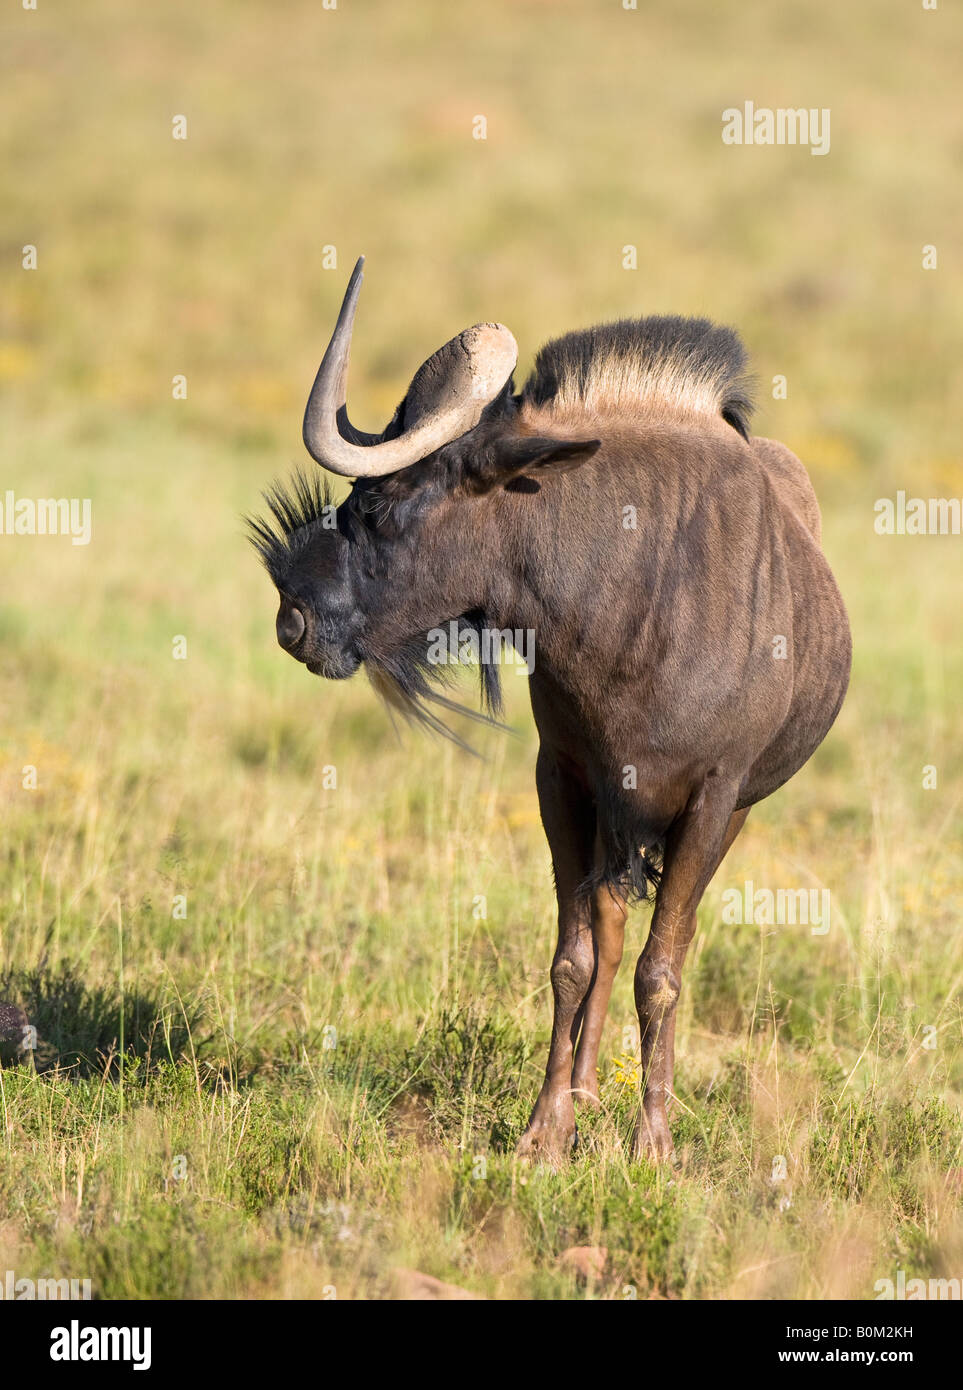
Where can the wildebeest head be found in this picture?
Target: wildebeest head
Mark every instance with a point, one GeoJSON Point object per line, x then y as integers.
{"type": "Point", "coordinates": [353, 580]}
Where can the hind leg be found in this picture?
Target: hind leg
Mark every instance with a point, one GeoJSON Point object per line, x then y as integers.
{"type": "Point", "coordinates": [608, 935]}
{"type": "Point", "coordinates": [694, 849]}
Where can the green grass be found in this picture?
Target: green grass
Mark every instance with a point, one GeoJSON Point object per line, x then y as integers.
{"type": "Point", "coordinates": [317, 1075]}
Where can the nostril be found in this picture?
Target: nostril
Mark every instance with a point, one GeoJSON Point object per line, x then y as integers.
{"type": "Point", "coordinates": [290, 626]}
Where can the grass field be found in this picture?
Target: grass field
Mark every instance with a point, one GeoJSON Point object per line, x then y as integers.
{"type": "Point", "coordinates": [280, 1051]}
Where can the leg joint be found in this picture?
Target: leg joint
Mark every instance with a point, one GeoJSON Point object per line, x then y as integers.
{"type": "Point", "coordinates": [571, 976]}
{"type": "Point", "coordinates": [657, 985]}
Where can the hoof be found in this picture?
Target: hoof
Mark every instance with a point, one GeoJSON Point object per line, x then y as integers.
{"type": "Point", "coordinates": [653, 1141]}
{"type": "Point", "coordinates": [550, 1134]}
{"type": "Point", "coordinates": [550, 1147]}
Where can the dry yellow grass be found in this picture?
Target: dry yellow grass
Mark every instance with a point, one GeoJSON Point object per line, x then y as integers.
{"type": "Point", "coordinates": [311, 1166]}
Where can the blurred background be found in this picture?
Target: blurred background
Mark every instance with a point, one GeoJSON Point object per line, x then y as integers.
{"type": "Point", "coordinates": [313, 135]}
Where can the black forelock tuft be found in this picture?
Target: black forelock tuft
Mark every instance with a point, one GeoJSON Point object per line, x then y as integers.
{"type": "Point", "coordinates": [298, 510]}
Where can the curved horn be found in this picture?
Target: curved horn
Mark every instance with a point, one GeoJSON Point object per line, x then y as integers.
{"type": "Point", "coordinates": [446, 398]}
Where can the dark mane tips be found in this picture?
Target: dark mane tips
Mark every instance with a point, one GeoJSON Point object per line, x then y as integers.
{"type": "Point", "coordinates": [682, 362]}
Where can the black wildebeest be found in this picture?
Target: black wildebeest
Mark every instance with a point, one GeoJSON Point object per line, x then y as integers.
{"type": "Point", "coordinates": [692, 648]}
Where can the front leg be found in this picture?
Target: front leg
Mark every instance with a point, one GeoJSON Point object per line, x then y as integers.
{"type": "Point", "coordinates": [568, 815]}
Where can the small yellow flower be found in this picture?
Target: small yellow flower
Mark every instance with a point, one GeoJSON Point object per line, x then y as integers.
{"type": "Point", "coordinates": [626, 1069]}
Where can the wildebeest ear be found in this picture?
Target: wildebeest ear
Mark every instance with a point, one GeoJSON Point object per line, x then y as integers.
{"type": "Point", "coordinates": [529, 455]}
